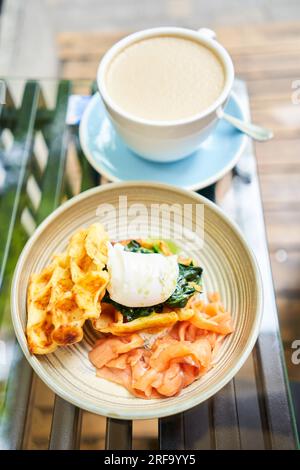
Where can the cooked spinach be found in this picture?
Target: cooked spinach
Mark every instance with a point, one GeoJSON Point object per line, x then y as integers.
{"type": "Point", "coordinates": [183, 291]}
{"type": "Point", "coordinates": [135, 247]}
{"type": "Point", "coordinates": [131, 313]}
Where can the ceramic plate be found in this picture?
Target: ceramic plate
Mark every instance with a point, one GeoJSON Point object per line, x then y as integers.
{"type": "Point", "coordinates": [229, 267]}
{"type": "Point", "coordinates": [107, 153]}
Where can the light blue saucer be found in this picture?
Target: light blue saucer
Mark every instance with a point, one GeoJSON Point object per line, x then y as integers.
{"type": "Point", "coordinates": [107, 153]}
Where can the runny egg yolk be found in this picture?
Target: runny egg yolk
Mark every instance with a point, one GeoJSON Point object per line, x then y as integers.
{"type": "Point", "coordinates": [138, 279]}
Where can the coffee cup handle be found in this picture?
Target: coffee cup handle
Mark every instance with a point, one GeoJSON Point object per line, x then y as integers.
{"type": "Point", "coordinates": [207, 33]}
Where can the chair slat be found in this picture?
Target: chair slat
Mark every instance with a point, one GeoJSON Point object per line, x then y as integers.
{"type": "Point", "coordinates": [280, 423]}
{"type": "Point", "coordinates": [17, 401]}
{"type": "Point", "coordinates": [17, 160]}
{"type": "Point", "coordinates": [171, 432]}
{"type": "Point", "coordinates": [198, 427]}
{"type": "Point", "coordinates": [55, 133]}
{"type": "Point", "coordinates": [247, 392]}
{"type": "Point", "coordinates": [225, 419]}
{"type": "Point", "coordinates": [66, 426]}
{"type": "Point", "coordinates": [12, 239]}
{"type": "Point", "coordinates": [118, 434]}
{"type": "Point", "coordinates": [89, 177]}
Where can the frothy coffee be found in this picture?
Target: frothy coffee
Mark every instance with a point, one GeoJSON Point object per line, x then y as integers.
{"type": "Point", "coordinates": [165, 78]}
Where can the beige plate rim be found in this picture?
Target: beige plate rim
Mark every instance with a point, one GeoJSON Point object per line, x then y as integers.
{"type": "Point", "coordinates": [146, 414]}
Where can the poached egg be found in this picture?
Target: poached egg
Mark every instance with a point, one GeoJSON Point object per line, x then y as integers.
{"type": "Point", "coordinates": [139, 279]}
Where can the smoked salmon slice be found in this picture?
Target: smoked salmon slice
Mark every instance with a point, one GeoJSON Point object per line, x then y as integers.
{"type": "Point", "coordinates": [109, 348]}
{"type": "Point", "coordinates": [176, 358]}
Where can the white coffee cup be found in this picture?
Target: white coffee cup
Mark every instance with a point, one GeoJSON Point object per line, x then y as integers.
{"type": "Point", "coordinates": [166, 141]}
